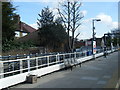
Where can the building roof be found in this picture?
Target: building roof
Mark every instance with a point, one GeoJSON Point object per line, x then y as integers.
{"type": "Point", "coordinates": [34, 37]}
{"type": "Point", "coordinates": [23, 27]}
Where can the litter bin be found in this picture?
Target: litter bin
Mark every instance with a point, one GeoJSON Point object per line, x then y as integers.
{"type": "Point", "coordinates": [87, 53]}
{"type": "Point", "coordinates": [31, 79]}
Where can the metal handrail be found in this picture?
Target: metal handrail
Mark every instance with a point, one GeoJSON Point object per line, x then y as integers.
{"type": "Point", "coordinates": [37, 64]}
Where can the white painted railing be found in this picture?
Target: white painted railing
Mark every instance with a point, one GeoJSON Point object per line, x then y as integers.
{"type": "Point", "coordinates": [15, 71]}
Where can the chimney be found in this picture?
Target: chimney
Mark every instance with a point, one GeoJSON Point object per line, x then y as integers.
{"type": "Point", "coordinates": [17, 18]}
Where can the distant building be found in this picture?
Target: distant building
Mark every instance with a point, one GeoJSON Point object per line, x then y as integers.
{"type": "Point", "coordinates": [23, 29]}
{"type": "Point", "coordinates": [79, 44]}
{"type": "Point", "coordinates": [88, 42]}
{"type": "Point", "coordinates": [116, 32]}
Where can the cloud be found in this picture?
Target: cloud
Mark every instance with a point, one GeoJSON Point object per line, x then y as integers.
{"type": "Point", "coordinates": [107, 19]}
{"type": "Point", "coordinates": [55, 12]}
{"type": "Point", "coordinates": [115, 24]}
{"type": "Point", "coordinates": [106, 24]}
{"type": "Point", "coordinates": [34, 25]}
{"type": "Point", "coordinates": [87, 21]}
{"type": "Point", "coordinates": [84, 12]}
{"type": "Point", "coordinates": [84, 35]}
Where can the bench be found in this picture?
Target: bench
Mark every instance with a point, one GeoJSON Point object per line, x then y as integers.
{"type": "Point", "coordinates": [69, 63]}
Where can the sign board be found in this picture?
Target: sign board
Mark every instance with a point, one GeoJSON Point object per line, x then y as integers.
{"type": "Point", "coordinates": [94, 47]}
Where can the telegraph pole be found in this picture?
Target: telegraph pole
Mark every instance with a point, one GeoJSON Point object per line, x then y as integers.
{"type": "Point", "coordinates": [93, 38]}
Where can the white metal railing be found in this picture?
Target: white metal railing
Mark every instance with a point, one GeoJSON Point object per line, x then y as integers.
{"type": "Point", "coordinates": [39, 64]}
{"type": "Point", "coordinates": [18, 66]}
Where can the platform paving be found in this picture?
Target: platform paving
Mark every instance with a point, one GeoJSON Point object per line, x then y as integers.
{"type": "Point", "coordinates": [99, 73]}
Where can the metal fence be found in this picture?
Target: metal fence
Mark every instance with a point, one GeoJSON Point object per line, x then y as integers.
{"type": "Point", "coordinates": [18, 66]}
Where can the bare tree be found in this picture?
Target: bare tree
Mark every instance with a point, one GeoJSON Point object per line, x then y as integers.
{"type": "Point", "coordinates": [71, 16]}
{"type": "Point", "coordinates": [65, 15]}
{"type": "Point", "coordinates": [76, 17]}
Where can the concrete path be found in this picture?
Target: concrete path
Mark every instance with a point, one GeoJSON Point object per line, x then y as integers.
{"type": "Point", "coordinates": [99, 73]}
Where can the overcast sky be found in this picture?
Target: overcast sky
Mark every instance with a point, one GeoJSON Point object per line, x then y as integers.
{"type": "Point", "coordinates": [107, 11]}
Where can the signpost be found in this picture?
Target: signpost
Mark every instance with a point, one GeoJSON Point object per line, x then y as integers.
{"type": "Point", "coordinates": [94, 47]}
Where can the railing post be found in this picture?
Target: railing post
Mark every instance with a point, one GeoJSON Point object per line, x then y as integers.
{"type": "Point", "coordinates": [98, 51]}
{"type": "Point", "coordinates": [58, 57]}
{"type": "Point", "coordinates": [48, 60]}
{"type": "Point", "coordinates": [1, 69]}
{"type": "Point", "coordinates": [24, 55]}
{"type": "Point", "coordinates": [0, 57]}
{"type": "Point", "coordinates": [79, 54]}
{"type": "Point", "coordinates": [36, 55]}
{"type": "Point", "coordinates": [13, 66]}
{"type": "Point", "coordinates": [9, 57]}
{"type": "Point", "coordinates": [21, 66]}
{"type": "Point", "coordinates": [36, 63]}
{"type": "Point", "coordinates": [69, 57]}
{"type": "Point", "coordinates": [75, 55]}
{"type": "Point", "coordinates": [85, 53]}
{"type": "Point", "coordinates": [64, 57]}
{"type": "Point", "coordinates": [28, 57]}
{"type": "Point", "coordinates": [17, 56]}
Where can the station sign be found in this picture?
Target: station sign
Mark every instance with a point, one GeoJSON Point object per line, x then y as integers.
{"type": "Point", "coordinates": [94, 47]}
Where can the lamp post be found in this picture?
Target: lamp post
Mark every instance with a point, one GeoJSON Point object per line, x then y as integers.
{"type": "Point", "coordinates": [93, 39]}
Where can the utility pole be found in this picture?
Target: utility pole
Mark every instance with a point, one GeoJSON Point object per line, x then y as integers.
{"type": "Point", "coordinates": [93, 39]}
